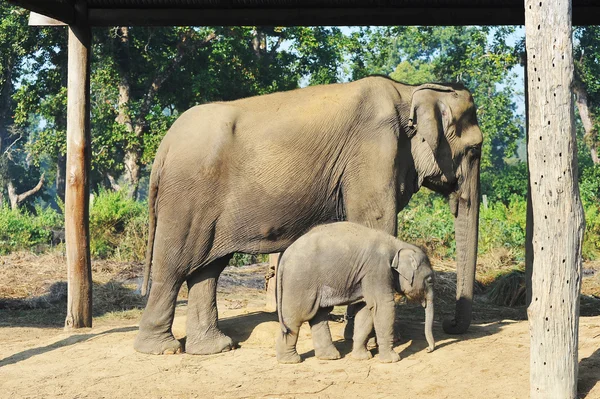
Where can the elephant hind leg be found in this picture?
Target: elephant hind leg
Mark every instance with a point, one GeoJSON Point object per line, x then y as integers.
{"type": "Point", "coordinates": [203, 334]}
{"type": "Point", "coordinates": [321, 335]}
{"type": "Point", "coordinates": [285, 346]}
{"type": "Point", "coordinates": [155, 336]}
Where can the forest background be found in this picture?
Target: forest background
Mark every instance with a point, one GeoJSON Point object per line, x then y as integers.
{"type": "Point", "coordinates": [144, 78]}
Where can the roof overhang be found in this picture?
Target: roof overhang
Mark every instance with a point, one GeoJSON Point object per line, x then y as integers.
{"type": "Point", "coordinates": [298, 12]}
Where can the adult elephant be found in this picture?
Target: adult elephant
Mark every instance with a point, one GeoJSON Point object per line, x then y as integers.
{"type": "Point", "coordinates": [253, 175]}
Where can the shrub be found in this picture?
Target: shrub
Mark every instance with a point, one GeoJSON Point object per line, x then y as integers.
{"type": "Point", "coordinates": [591, 238]}
{"type": "Point", "coordinates": [503, 226]}
{"type": "Point", "coordinates": [427, 222]}
{"type": "Point", "coordinates": [118, 226]}
{"type": "Point", "coordinates": [240, 259]}
{"type": "Point", "coordinates": [502, 185]}
{"type": "Point", "coordinates": [21, 230]}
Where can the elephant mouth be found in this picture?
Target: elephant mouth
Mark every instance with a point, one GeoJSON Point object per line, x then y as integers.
{"type": "Point", "coordinates": [439, 185]}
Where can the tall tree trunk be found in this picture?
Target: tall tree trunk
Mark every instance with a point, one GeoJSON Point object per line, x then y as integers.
{"type": "Point", "coordinates": [132, 159]}
{"type": "Point", "coordinates": [61, 164]}
{"type": "Point", "coordinates": [587, 119]}
{"type": "Point", "coordinates": [132, 172]}
{"type": "Point", "coordinates": [558, 222]}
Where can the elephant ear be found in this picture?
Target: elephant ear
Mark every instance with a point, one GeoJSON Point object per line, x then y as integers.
{"type": "Point", "coordinates": [429, 116]}
{"type": "Point", "coordinates": [405, 264]}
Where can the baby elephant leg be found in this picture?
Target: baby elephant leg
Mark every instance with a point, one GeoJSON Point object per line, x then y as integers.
{"type": "Point", "coordinates": [321, 335]}
{"type": "Point", "coordinates": [363, 325]}
{"type": "Point", "coordinates": [286, 345]}
{"type": "Point", "coordinates": [383, 318]}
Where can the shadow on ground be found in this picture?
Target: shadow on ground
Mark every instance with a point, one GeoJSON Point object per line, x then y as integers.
{"type": "Point", "coordinates": [589, 374]}
{"type": "Point", "coordinates": [71, 340]}
{"type": "Point", "coordinates": [49, 310]}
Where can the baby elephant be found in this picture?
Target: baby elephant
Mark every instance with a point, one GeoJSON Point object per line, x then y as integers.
{"type": "Point", "coordinates": [341, 263]}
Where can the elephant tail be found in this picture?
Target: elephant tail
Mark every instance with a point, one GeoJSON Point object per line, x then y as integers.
{"type": "Point", "coordinates": [279, 296]}
{"type": "Point", "coordinates": [152, 196]}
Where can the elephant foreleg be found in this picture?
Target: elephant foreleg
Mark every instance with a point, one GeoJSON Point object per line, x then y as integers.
{"type": "Point", "coordinates": [383, 311]}
{"type": "Point", "coordinates": [321, 335]}
{"type": "Point", "coordinates": [363, 326]}
{"type": "Point", "coordinates": [203, 334]}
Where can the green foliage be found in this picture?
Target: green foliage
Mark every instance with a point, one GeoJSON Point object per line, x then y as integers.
{"type": "Point", "coordinates": [504, 183]}
{"type": "Point", "coordinates": [591, 238]}
{"type": "Point", "coordinates": [240, 259]}
{"type": "Point", "coordinates": [118, 226]}
{"type": "Point", "coordinates": [503, 225]}
{"type": "Point", "coordinates": [589, 184]}
{"type": "Point", "coordinates": [427, 222]}
{"type": "Point", "coordinates": [21, 230]}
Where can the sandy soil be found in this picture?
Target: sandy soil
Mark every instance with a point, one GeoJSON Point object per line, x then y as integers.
{"type": "Point", "coordinates": [40, 360]}
{"type": "Point", "coordinates": [491, 361]}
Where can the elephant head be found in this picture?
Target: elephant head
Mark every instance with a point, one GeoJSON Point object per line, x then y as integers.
{"type": "Point", "coordinates": [415, 281]}
{"type": "Point", "coordinates": [446, 147]}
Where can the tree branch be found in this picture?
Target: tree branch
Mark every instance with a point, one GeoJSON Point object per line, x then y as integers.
{"type": "Point", "coordinates": [182, 49]}
{"type": "Point", "coordinates": [16, 199]}
{"type": "Point", "coordinates": [591, 136]}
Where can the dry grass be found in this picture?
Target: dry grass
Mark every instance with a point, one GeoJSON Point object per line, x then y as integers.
{"type": "Point", "coordinates": [33, 288]}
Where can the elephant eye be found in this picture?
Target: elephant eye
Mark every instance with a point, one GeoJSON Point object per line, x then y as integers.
{"type": "Point", "coordinates": [475, 151]}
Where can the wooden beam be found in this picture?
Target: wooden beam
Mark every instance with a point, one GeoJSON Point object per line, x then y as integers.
{"type": "Point", "coordinates": [308, 16]}
{"type": "Point", "coordinates": [36, 19]}
{"type": "Point", "coordinates": [79, 301]}
{"type": "Point", "coordinates": [558, 220]}
{"type": "Point", "coordinates": [60, 10]}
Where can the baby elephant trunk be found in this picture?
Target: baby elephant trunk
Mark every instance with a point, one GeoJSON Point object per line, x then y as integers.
{"type": "Point", "coordinates": [429, 320]}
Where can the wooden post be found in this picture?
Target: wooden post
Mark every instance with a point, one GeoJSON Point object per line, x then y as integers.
{"type": "Point", "coordinates": [271, 300]}
{"type": "Point", "coordinates": [79, 300]}
{"type": "Point", "coordinates": [558, 221]}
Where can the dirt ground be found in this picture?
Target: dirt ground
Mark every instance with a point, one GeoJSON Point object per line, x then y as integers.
{"type": "Point", "coordinates": [40, 360]}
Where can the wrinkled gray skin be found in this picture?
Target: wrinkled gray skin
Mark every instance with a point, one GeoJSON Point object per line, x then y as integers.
{"type": "Point", "coordinates": [340, 263]}
{"type": "Point", "coordinates": [255, 174]}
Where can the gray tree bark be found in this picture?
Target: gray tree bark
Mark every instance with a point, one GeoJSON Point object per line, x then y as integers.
{"type": "Point", "coordinates": [558, 222]}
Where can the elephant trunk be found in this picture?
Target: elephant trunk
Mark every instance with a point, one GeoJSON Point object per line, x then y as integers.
{"type": "Point", "coordinates": [466, 225]}
{"type": "Point", "coordinates": [429, 320]}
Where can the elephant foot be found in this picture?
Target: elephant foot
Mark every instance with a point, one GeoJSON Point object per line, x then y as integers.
{"type": "Point", "coordinates": [327, 353]}
{"type": "Point", "coordinates": [208, 346]}
{"type": "Point", "coordinates": [361, 354]}
{"type": "Point", "coordinates": [165, 344]}
{"type": "Point", "coordinates": [389, 357]}
{"type": "Point", "coordinates": [289, 358]}
{"type": "Point", "coordinates": [372, 343]}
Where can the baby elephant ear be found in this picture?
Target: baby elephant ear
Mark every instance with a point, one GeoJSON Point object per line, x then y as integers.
{"type": "Point", "coordinates": [405, 264]}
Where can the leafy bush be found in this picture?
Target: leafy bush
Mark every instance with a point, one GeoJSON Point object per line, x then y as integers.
{"type": "Point", "coordinates": [240, 259]}
{"type": "Point", "coordinates": [502, 185]}
{"type": "Point", "coordinates": [589, 184]}
{"type": "Point", "coordinates": [503, 226]}
{"type": "Point", "coordinates": [118, 226]}
{"type": "Point", "coordinates": [591, 238]}
{"type": "Point", "coordinates": [427, 222]}
{"type": "Point", "coordinates": [21, 230]}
